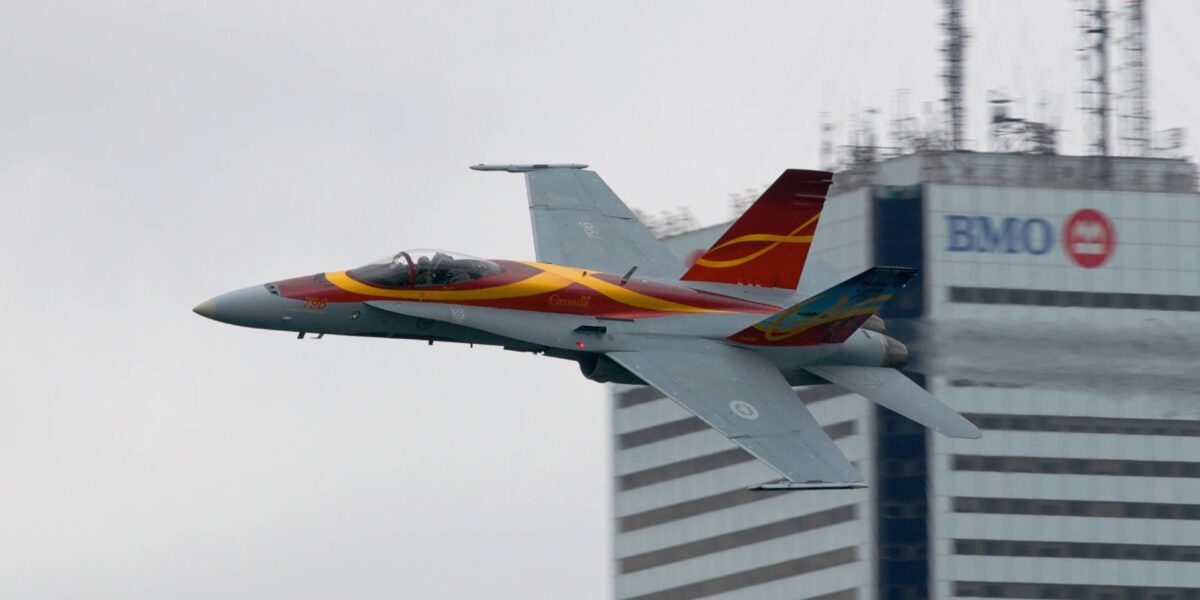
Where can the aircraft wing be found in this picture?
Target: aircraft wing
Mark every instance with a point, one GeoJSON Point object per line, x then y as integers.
{"type": "Point", "coordinates": [579, 222]}
{"type": "Point", "coordinates": [743, 396]}
{"type": "Point", "coordinates": [892, 390]}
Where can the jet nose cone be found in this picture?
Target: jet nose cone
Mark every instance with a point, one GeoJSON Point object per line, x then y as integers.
{"type": "Point", "coordinates": [207, 309]}
{"type": "Point", "coordinates": [249, 307]}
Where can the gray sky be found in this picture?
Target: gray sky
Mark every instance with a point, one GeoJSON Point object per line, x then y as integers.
{"type": "Point", "coordinates": [153, 155]}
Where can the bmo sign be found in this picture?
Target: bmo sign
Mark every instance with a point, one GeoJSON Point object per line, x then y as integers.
{"type": "Point", "coordinates": [1088, 237]}
{"type": "Point", "coordinates": [1010, 235]}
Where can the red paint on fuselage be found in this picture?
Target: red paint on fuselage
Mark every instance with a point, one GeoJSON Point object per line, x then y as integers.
{"type": "Point", "coordinates": [572, 298]}
{"type": "Point", "coordinates": [317, 287]}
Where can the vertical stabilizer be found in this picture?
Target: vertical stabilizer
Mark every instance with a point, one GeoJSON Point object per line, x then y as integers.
{"type": "Point", "coordinates": [768, 245]}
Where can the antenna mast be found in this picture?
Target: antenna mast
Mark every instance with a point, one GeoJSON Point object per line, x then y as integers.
{"type": "Point", "coordinates": [1135, 117]}
{"type": "Point", "coordinates": [952, 74]}
{"type": "Point", "coordinates": [1094, 27]}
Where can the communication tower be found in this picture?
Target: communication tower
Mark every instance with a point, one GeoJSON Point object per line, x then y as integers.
{"type": "Point", "coordinates": [1135, 115]}
{"type": "Point", "coordinates": [1094, 56]}
{"type": "Point", "coordinates": [952, 74]}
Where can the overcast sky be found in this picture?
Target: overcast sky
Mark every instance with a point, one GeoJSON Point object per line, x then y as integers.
{"type": "Point", "coordinates": [153, 155]}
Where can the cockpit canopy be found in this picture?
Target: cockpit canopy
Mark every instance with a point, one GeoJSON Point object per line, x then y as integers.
{"type": "Point", "coordinates": [424, 268]}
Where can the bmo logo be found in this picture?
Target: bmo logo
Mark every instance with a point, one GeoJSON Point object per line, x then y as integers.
{"type": "Point", "coordinates": [1088, 237]}
{"type": "Point", "coordinates": [1011, 235]}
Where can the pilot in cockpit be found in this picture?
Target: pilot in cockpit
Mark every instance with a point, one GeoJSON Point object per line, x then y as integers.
{"type": "Point", "coordinates": [430, 268]}
{"type": "Point", "coordinates": [424, 272]}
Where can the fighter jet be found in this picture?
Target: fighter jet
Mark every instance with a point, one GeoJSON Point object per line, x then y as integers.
{"type": "Point", "coordinates": [726, 337]}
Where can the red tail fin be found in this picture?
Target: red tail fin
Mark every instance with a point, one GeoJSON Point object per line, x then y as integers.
{"type": "Point", "coordinates": [768, 245]}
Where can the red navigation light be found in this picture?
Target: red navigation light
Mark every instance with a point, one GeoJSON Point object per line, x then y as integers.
{"type": "Point", "coordinates": [580, 344]}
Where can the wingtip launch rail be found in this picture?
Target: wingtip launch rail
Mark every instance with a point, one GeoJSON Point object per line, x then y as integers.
{"type": "Point", "coordinates": [526, 168]}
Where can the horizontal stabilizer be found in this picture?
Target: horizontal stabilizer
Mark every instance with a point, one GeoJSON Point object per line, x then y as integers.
{"type": "Point", "coordinates": [829, 317]}
{"type": "Point", "coordinates": [890, 389]}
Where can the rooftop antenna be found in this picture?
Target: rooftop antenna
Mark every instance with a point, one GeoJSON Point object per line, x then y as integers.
{"type": "Point", "coordinates": [863, 149]}
{"type": "Point", "coordinates": [952, 73]}
{"type": "Point", "coordinates": [904, 126]}
{"type": "Point", "coordinates": [827, 156]}
{"type": "Point", "coordinates": [1010, 133]}
{"type": "Point", "coordinates": [1135, 117]}
{"type": "Point", "coordinates": [931, 137]}
{"type": "Point", "coordinates": [1094, 55]}
{"type": "Point", "coordinates": [1000, 120]}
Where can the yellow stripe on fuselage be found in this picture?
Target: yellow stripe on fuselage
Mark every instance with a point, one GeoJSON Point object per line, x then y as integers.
{"type": "Point", "coordinates": [620, 293]}
{"type": "Point", "coordinates": [542, 283]}
{"type": "Point", "coordinates": [552, 278]}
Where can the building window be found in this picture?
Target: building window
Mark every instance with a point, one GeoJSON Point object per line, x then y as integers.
{"type": "Point", "coordinates": [1084, 424]}
{"type": "Point", "coordinates": [1077, 550]}
{"type": "Point", "coordinates": [1082, 466]}
{"type": "Point", "coordinates": [1082, 508]}
{"type": "Point", "coordinates": [1030, 297]}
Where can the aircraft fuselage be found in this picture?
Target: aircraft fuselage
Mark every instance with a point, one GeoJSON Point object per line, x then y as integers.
{"type": "Point", "coordinates": [559, 311]}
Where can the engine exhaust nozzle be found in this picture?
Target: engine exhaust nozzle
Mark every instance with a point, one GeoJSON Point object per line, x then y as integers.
{"type": "Point", "coordinates": [895, 353]}
{"type": "Point", "coordinates": [876, 324]}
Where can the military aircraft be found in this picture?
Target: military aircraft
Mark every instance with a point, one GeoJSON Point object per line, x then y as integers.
{"type": "Point", "coordinates": [726, 337]}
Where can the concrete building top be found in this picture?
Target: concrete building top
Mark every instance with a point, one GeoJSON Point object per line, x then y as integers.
{"type": "Point", "coordinates": [1124, 173]}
